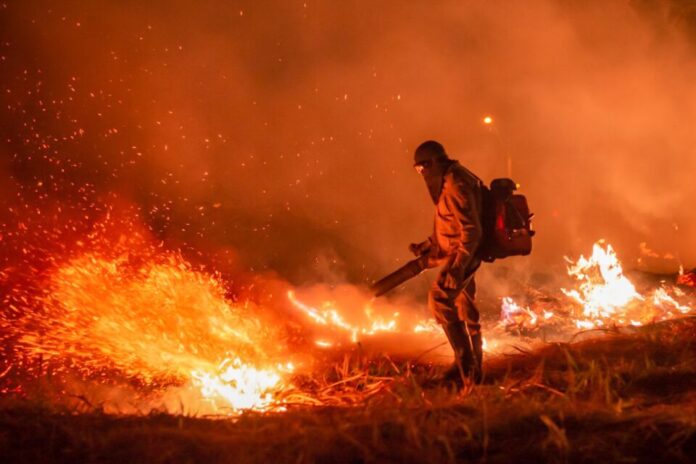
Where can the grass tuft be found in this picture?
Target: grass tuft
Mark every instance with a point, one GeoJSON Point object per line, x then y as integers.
{"type": "Point", "coordinates": [623, 397]}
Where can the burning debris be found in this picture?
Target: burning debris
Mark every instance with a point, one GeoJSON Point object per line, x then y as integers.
{"type": "Point", "coordinates": [369, 323]}
{"type": "Point", "coordinates": [603, 289]}
{"type": "Point", "coordinates": [521, 317]}
{"type": "Point", "coordinates": [603, 297]}
{"type": "Point", "coordinates": [171, 332]}
{"type": "Point", "coordinates": [240, 386]}
{"type": "Point", "coordinates": [148, 318]}
{"type": "Point", "coordinates": [687, 279]}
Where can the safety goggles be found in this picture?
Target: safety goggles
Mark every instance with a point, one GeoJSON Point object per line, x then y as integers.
{"type": "Point", "coordinates": [422, 166]}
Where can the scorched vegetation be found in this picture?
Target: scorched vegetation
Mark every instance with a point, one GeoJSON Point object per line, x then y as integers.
{"type": "Point", "coordinates": [625, 396]}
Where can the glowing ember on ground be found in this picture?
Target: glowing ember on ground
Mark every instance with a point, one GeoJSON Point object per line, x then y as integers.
{"type": "Point", "coordinates": [329, 316]}
{"type": "Point", "coordinates": [428, 326]}
{"type": "Point", "coordinates": [514, 314]}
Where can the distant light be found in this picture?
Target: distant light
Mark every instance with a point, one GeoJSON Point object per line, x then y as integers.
{"type": "Point", "coordinates": [488, 120]}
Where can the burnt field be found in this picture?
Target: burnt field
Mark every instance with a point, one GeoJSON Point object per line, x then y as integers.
{"type": "Point", "coordinates": [620, 397]}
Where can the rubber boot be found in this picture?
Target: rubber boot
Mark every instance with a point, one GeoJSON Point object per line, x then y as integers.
{"type": "Point", "coordinates": [463, 355]}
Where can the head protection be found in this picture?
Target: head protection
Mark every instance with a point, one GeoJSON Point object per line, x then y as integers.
{"type": "Point", "coordinates": [431, 161]}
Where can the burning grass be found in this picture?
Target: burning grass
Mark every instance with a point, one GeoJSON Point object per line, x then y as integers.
{"type": "Point", "coordinates": [625, 396]}
{"type": "Point", "coordinates": [133, 329]}
{"type": "Point", "coordinates": [131, 353]}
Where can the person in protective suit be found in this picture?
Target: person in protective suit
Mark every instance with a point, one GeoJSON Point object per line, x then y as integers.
{"type": "Point", "coordinates": [457, 195]}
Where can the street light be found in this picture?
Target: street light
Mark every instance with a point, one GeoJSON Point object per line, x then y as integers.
{"type": "Point", "coordinates": [488, 122]}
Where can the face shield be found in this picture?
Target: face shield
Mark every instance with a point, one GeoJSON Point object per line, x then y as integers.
{"type": "Point", "coordinates": [433, 172]}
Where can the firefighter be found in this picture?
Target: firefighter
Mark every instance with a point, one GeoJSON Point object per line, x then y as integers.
{"type": "Point", "coordinates": [457, 195]}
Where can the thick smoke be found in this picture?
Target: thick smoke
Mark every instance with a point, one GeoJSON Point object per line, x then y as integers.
{"type": "Point", "coordinates": [280, 133]}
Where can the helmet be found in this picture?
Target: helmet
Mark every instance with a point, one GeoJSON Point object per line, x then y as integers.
{"type": "Point", "coordinates": [431, 161]}
{"type": "Point", "coordinates": [427, 152]}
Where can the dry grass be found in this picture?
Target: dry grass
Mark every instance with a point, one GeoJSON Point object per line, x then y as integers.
{"type": "Point", "coordinates": [619, 398]}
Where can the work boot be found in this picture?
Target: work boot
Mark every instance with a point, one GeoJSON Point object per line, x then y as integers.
{"type": "Point", "coordinates": [477, 342]}
{"type": "Point", "coordinates": [462, 346]}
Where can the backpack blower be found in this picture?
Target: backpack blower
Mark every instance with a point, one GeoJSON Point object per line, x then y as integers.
{"type": "Point", "coordinates": [507, 231]}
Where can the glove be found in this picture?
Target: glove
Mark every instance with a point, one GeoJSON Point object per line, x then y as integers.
{"type": "Point", "coordinates": [419, 249]}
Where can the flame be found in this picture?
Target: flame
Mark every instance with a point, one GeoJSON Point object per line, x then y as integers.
{"type": "Point", "coordinates": [605, 296]}
{"type": "Point", "coordinates": [603, 288]}
{"type": "Point", "coordinates": [153, 320]}
{"type": "Point", "coordinates": [158, 323]}
{"type": "Point", "coordinates": [339, 329]}
{"type": "Point", "coordinates": [239, 385]}
{"type": "Point", "coordinates": [330, 317]}
{"type": "Point", "coordinates": [334, 330]}
{"type": "Point", "coordinates": [608, 297]}
{"type": "Point", "coordinates": [427, 326]}
{"type": "Point", "coordinates": [663, 299]}
{"type": "Point", "coordinates": [686, 279]}
{"type": "Point", "coordinates": [513, 314]}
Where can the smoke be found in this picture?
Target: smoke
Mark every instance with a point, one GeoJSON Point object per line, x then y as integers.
{"type": "Point", "coordinates": [284, 130]}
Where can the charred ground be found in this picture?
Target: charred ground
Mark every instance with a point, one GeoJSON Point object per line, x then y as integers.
{"type": "Point", "coordinates": [628, 397]}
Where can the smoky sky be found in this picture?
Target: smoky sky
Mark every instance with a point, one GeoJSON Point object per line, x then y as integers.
{"type": "Point", "coordinates": [282, 131]}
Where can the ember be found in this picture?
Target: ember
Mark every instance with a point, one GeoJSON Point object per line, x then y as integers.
{"type": "Point", "coordinates": [159, 323]}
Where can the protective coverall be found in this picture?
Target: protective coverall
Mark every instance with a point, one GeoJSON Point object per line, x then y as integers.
{"type": "Point", "coordinates": [456, 237]}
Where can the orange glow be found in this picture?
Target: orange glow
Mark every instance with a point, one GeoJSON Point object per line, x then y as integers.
{"type": "Point", "coordinates": [603, 289]}
{"type": "Point", "coordinates": [159, 323]}
{"type": "Point", "coordinates": [155, 321]}
{"type": "Point", "coordinates": [239, 386]}
{"type": "Point", "coordinates": [603, 296]}
{"type": "Point", "coordinates": [329, 315]}
{"type": "Point", "coordinates": [514, 314]}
